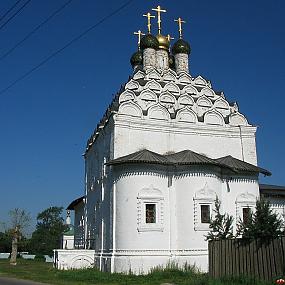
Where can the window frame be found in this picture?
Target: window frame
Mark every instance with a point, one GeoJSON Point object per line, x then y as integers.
{"type": "Point", "coordinates": [142, 201]}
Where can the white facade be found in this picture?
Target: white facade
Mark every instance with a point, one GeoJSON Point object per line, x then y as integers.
{"type": "Point", "coordinates": [163, 111]}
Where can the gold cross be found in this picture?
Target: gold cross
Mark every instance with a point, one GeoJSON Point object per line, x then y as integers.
{"type": "Point", "coordinates": [180, 21]}
{"type": "Point", "coordinates": [139, 33]}
{"type": "Point", "coordinates": [149, 16]}
{"type": "Point", "coordinates": [158, 10]}
{"type": "Point", "coordinates": [169, 38]}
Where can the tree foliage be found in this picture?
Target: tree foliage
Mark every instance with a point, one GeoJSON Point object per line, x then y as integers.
{"type": "Point", "coordinates": [264, 223]}
{"type": "Point", "coordinates": [222, 224]}
{"type": "Point", "coordinates": [48, 233]}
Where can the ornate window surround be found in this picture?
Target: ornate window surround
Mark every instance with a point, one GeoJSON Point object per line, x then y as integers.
{"type": "Point", "coordinates": [205, 196]}
{"type": "Point", "coordinates": [146, 196]}
{"type": "Point", "coordinates": [244, 200]}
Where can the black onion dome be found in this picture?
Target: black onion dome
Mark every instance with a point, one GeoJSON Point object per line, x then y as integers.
{"type": "Point", "coordinates": [181, 46]}
{"type": "Point", "coordinates": [171, 61]}
{"type": "Point", "coordinates": [136, 59]}
{"type": "Point", "coordinates": [149, 41]}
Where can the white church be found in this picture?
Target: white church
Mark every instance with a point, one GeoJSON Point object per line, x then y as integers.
{"type": "Point", "coordinates": [166, 147]}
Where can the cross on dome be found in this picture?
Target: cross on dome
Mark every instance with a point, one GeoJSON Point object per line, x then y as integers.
{"type": "Point", "coordinates": [180, 21]}
{"type": "Point", "coordinates": [149, 16]}
{"type": "Point", "coordinates": [158, 10]}
{"type": "Point", "coordinates": [139, 33]}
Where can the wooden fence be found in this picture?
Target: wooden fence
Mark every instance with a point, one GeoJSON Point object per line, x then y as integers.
{"type": "Point", "coordinates": [259, 259]}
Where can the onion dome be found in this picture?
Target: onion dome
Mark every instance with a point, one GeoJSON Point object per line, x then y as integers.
{"type": "Point", "coordinates": [181, 46]}
{"type": "Point", "coordinates": [136, 59]}
{"type": "Point", "coordinates": [149, 41]}
{"type": "Point", "coordinates": [171, 61]}
{"type": "Point", "coordinates": [163, 42]}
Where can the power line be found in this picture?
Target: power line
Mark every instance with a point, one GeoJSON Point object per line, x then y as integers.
{"type": "Point", "coordinates": [15, 14]}
{"type": "Point", "coordinates": [9, 10]}
{"type": "Point", "coordinates": [65, 46]}
{"type": "Point", "coordinates": [35, 29]}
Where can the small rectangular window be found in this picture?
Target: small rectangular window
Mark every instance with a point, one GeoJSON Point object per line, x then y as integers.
{"type": "Point", "coordinates": [150, 213]}
{"type": "Point", "coordinates": [205, 214]}
{"type": "Point", "coordinates": [246, 212]}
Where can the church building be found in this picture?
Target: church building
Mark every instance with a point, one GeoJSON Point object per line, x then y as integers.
{"type": "Point", "coordinates": [166, 147]}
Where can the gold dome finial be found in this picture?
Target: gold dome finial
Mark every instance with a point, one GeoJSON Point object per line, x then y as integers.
{"type": "Point", "coordinates": [158, 10]}
{"type": "Point", "coordinates": [149, 16]}
{"type": "Point", "coordinates": [139, 33]}
{"type": "Point", "coordinates": [180, 21]}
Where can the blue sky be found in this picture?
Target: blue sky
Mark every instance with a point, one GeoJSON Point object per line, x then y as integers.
{"type": "Point", "coordinates": [47, 118]}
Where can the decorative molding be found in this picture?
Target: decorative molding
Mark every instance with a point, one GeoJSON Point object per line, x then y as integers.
{"type": "Point", "coordinates": [191, 90]}
{"type": "Point", "coordinates": [185, 100]}
{"type": "Point", "coordinates": [158, 112]}
{"type": "Point", "coordinates": [147, 98]}
{"type": "Point", "coordinates": [186, 115]}
{"type": "Point", "coordinates": [132, 85]}
{"type": "Point", "coordinates": [153, 85]}
{"type": "Point", "coordinates": [139, 75]}
{"type": "Point", "coordinates": [172, 87]}
{"type": "Point", "coordinates": [185, 78]}
{"type": "Point", "coordinates": [153, 74]}
{"type": "Point", "coordinates": [222, 106]}
{"type": "Point", "coordinates": [203, 105]}
{"type": "Point", "coordinates": [204, 196]}
{"type": "Point", "coordinates": [167, 100]}
{"type": "Point", "coordinates": [150, 195]}
{"type": "Point", "coordinates": [213, 117]}
{"type": "Point", "coordinates": [244, 200]}
{"type": "Point", "coordinates": [169, 75]}
{"type": "Point", "coordinates": [127, 95]}
{"type": "Point", "coordinates": [207, 92]}
{"type": "Point", "coordinates": [237, 119]}
{"type": "Point", "coordinates": [199, 80]}
{"type": "Point", "coordinates": [130, 109]}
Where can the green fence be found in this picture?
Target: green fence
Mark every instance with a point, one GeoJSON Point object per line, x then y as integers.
{"type": "Point", "coordinates": [235, 257]}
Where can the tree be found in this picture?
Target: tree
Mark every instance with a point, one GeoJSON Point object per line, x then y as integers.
{"type": "Point", "coordinates": [5, 241]}
{"type": "Point", "coordinates": [20, 220]}
{"type": "Point", "coordinates": [221, 226]}
{"type": "Point", "coordinates": [264, 223]}
{"type": "Point", "coordinates": [48, 233]}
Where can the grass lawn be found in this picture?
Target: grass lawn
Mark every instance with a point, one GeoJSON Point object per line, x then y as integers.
{"type": "Point", "coordinates": [44, 272]}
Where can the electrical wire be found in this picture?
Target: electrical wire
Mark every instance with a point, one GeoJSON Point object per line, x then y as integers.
{"type": "Point", "coordinates": [35, 29]}
{"type": "Point", "coordinates": [65, 46]}
{"type": "Point", "coordinates": [15, 14]}
{"type": "Point", "coordinates": [9, 10]}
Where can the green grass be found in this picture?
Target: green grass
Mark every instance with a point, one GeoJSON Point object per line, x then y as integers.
{"type": "Point", "coordinates": [44, 272]}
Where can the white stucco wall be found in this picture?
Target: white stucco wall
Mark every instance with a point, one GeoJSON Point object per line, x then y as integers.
{"type": "Point", "coordinates": [73, 259]}
{"type": "Point", "coordinates": [133, 134]}
{"type": "Point", "coordinates": [178, 235]}
{"type": "Point", "coordinates": [79, 225]}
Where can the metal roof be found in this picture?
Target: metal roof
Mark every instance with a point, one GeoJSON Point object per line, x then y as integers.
{"type": "Point", "coordinates": [142, 156]}
{"type": "Point", "coordinates": [187, 157]}
{"type": "Point", "coordinates": [241, 166]}
{"type": "Point", "coordinates": [74, 203]}
{"type": "Point", "coordinates": [272, 191]}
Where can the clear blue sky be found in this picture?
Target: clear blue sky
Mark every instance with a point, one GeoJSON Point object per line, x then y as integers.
{"type": "Point", "coordinates": [46, 118]}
